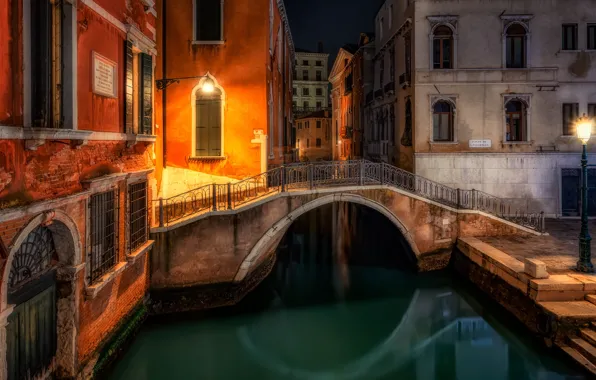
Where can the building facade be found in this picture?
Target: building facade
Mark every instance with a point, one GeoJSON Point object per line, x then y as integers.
{"type": "Point", "coordinates": [224, 108]}
{"type": "Point", "coordinates": [351, 79]}
{"type": "Point", "coordinates": [496, 110]}
{"type": "Point", "coordinates": [76, 179]}
{"type": "Point", "coordinates": [314, 137]}
{"type": "Point", "coordinates": [311, 87]}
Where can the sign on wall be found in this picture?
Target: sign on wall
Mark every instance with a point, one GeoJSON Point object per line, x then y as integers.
{"type": "Point", "coordinates": [480, 143]}
{"type": "Point", "coordinates": [104, 74]}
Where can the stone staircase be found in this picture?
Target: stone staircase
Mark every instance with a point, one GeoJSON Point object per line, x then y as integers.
{"type": "Point", "coordinates": [581, 346]}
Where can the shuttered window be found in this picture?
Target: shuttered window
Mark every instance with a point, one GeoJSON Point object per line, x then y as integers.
{"type": "Point", "coordinates": [129, 88]}
{"type": "Point", "coordinates": [208, 20]}
{"type": "Point", "coordinates": [146, 103]}
{"type": "Point", "coordinates": [138, 83]}
{"type": "Point", "coordinates": [208, 128]}
{"type": "Point", "coordinates": [46, 64]}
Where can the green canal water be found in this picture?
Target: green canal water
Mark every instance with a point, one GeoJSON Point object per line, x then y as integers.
{"type": "Point", "coordinates": [341, 303]}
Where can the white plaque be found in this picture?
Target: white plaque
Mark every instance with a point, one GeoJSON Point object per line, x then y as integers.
{"type": "Point", "coordinates": [480, 143]}
{"type": "Point", "coordinates": [104, 76]}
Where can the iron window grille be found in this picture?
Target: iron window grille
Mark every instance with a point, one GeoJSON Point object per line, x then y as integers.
{"type": "Point", "coordinates": [103, 239]}
{"type": "Point", "coordinates": [137, 215]}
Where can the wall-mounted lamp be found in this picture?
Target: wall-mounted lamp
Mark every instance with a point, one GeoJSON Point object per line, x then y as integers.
{"type": "Point", "coordinates": [208, 85]}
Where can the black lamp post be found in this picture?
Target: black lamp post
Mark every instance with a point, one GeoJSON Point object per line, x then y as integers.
{"type": "Point", "coordinates": [584, 264]}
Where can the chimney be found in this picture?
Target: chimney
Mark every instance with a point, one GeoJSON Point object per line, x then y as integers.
{"type": "Point", "coordinates": [320, 47]}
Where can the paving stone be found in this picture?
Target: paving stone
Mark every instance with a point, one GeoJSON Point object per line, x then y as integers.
{"type": "Point", "coordinates": [577, 309]}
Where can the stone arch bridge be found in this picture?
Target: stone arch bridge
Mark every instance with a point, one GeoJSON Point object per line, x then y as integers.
{"type": "Point", "coordinates": [227, 234]}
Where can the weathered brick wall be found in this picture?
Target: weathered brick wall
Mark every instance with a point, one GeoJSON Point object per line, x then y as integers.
{"type": "Point", "coordinates": [100, 316]}
{"type": "Point", "coordinates": [56, 169]}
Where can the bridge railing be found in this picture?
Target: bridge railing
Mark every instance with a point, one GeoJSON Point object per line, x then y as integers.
{"type": "Point", "coordinates": [218, 197]}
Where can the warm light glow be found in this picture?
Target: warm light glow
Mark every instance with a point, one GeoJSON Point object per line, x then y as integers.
{"type": "Point", "coordinates": [208, 86]}
{"type": "Point", "coordinates": [584, 129]}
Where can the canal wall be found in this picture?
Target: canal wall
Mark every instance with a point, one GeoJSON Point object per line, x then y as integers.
{"type": "Point", "coordinates": [215, 253]}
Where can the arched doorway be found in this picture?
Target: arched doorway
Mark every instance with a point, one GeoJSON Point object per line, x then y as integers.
{"type": "Point", "coordinates": [39, 286]}
{"type": "Point", "coordinates": [31, 331]}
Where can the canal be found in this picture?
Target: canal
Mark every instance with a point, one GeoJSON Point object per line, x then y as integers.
{"type": "Point", "coordinates": [343, 302]}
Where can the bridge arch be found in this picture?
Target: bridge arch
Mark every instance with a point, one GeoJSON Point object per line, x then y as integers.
{"type": "Point", "coordinates": [275, 233]}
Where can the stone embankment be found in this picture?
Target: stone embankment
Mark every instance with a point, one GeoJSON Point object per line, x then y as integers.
{"type": "Point", "coordinates": [559, 307]}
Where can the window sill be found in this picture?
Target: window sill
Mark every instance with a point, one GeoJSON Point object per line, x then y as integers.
{"type": "Point", "coordinates": [570, 51]}
{"type": "Point", "coordinates": [140, 252]}
{"type": "Point", "coordinates": [195, 42]}
{"type": "Point", "coordinates": [207, 158]}
{"type": "Point", "coordinates": [92, 291]}
{"type": "Point", "coordinates": [444, 142]}
{"type": "Point", "coordinates": [517, 142]}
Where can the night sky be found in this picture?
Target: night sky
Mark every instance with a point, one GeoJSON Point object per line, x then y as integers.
{"type": "Point", "coordinates": [335, 22]}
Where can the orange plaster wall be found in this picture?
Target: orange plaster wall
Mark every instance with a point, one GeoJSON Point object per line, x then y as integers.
{"type": "Point", "coordinates": [240, 67]}
{"type": "Point", "coordinates": [11, 75]}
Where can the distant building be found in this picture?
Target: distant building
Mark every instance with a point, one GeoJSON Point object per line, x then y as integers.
{"type": "Point", "coordinates": [351, 78]}
{"type": "Point", "coordinates": [311, 87]}
{"type": "Point", "coordinates": [314, 136]}
{"type": "Point", "coordinates": [494, 111]}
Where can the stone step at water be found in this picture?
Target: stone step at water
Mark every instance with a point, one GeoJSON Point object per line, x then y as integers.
{"type": "Point", "coordinates": [589, 336]}
{"type": "Point", "coordinates": [591, 298]}
{"type": "Point", "coordinates": [575, 355]}
{"type": "Point", "coordinates": [586, 349]}
{"type": "Point", "coordinates": [583, 310]}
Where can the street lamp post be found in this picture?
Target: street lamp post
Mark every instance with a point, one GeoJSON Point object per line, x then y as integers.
{"type": "Point", "coordinates": [584, 264]}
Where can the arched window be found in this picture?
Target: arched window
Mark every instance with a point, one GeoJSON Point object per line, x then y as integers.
{"type": "Point", "coordinates": [209, 110]}
{"type": "Point", "coordinates": [442, 121]}
{"type": "Point", "coordinates": [515, 46]}
{"type": "Point", "coordinates": [515, 119]}
{"type": "Point", "coordinates": [443, 48]}
{"type": "Point", "coordinates": [34, 257]}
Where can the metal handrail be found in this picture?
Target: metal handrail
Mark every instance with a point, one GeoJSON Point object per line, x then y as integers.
{"type": "Point", "coordinates": [214, 197]}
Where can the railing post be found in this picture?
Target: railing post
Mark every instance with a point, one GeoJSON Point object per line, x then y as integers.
{"type": "Point", "coordinates": [361, 180]}
{"type": "Point", "coordinates": [161, 212]}
{"type": "Point", "coordinates": [473, 199]}
{"type": "Point", "coordinates": [214, 196]}
{"type": "Point", "coordinates": [310, 176]}
{"type": "Point", "coordinates": [229, 195]}
{"type": "Point", "coordinates": [282, 178]}
{"type": "Point", "coordinates": [542, 222]}
{"type": "Point", "coordinates": [458, 198]}
{"type": "Point", "coordinates": [382, 173]}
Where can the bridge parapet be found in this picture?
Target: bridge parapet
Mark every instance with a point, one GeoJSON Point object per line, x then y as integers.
{"type": "Point", "coordinates": [231, 196]}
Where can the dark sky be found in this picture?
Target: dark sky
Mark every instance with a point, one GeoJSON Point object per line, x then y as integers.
{"type": "Point", "coordinates": [335, 22]}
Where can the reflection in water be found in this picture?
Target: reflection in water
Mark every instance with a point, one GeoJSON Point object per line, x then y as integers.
{"type": "Point", "coordinates": [341, 304]}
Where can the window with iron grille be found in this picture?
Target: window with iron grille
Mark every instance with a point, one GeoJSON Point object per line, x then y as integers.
{"type": "Point", "coordinates": [137, 215]}
{"type": "Point", "coordinates": [103, 239]}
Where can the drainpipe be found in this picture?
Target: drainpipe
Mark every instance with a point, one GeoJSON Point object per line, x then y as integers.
{"type": "Point", "coordinates": [285, 126]}
{"type": "Point", "coordinates": [163, 76]}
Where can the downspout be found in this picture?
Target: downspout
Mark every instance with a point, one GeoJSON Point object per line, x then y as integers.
{"type": "Point", "coordinates": [163, 76]}
{"type": "Point", "coordinates": [283, 80]}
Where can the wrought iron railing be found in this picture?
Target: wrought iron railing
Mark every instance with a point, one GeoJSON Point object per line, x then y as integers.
{"type": "Point", "coordinates": [218, 197]}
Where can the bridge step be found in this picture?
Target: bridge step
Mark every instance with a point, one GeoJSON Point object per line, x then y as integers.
{"type": "Point", "coordinates": [578, 357]}
{"type": "Point", "coordinates": [591, 298]}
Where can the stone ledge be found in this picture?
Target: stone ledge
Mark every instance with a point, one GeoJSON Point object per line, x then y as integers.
{"type": "Point", "coordinates": [564, 287]}
{"type": "Point", "coordinates": [140, 252]}
{"type": "Point", "coordinates": [93, 290]}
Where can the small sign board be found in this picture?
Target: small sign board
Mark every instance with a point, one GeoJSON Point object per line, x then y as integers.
{"type": "Point", "coordinates": [104, 74]}
{"type": "Point", "coordinates": [257, 132]}
{"type": "Point", "coordinates": [480, 143]}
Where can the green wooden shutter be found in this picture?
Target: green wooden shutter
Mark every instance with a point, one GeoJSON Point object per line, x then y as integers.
{"type": "Point", "coordinates": [128, 86]}
{"type": "Point", "coordinates": [215, 127]}
{"type": "Point", "coordinates": [202, 134]}
{"type": "Point", "coordinates": [146, 94]}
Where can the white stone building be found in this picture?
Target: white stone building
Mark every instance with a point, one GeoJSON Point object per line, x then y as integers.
{"type": "Point", "coordinates": [311, 87]}
{"type": "Point", "coordinates": [488, 92]}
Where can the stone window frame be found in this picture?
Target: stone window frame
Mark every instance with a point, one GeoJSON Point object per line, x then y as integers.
{"type": "Point", "coordinates": [524, 21]}
{"type": "Point", "coordinates": [526, 99]}
{"type": "Point", "coordinates": [451, 22]}
{"type": "Point", "coordinates": [452, 99]}
{"type": "Point", "coordinates": [193, 104]}
{"type": "Point", "coordinates": [221, 41]}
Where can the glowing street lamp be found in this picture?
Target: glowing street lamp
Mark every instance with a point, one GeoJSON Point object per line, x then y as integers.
{"type": "Point", "coordinates": [208, 86]}
{"type": "Point", "coordinates": [583, 129]}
